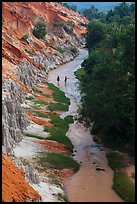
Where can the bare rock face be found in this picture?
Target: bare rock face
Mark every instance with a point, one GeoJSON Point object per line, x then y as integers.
{"type": "Point", "coordinates": [32, 174]}
{"type": "Point", "coordinates": [13, 119]}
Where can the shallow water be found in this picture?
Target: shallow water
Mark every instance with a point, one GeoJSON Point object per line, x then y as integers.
{"type": "Point", "coordinates": [88, 184]}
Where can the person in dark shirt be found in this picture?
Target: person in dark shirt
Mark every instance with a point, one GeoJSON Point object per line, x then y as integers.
{"type": "Point", "coordinates": [65, 80]}
{"type": "Point", "coordinates": [58, 79]}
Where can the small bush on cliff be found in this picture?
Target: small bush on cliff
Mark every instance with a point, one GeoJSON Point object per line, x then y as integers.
{"type": "Point", "coordinates": [24, 37]}
{"type": "Point", "coordinates": [39, 30]}
{"type": "Point", "coordinates": [60, 50]}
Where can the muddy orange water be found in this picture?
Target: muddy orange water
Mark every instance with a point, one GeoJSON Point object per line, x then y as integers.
{"type": "Point", "coordinates": [88, 184]}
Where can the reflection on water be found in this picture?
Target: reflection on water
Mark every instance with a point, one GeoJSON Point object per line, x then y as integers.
{"type": "Point", "coordinates": [93, 182]}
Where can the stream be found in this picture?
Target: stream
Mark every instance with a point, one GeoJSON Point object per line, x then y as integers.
{"type": "Point", "coordinates": [88, 184]}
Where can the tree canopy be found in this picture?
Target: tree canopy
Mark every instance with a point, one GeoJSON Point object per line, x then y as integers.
{"type": "Point", "coordinates": [108, 86]}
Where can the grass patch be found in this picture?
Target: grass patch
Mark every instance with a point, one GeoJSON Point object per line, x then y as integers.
{"type": "Point", "coordinates": [61, 161]}
{"type": "Point", "coordinates": [58, 131]}
{"type": "Point", "coordinates": [58, 122]}
{"type": "Point", "coordinates": [35, 136]}
{"type": "Point", "coordinates": [80, 73]}
{"type": "Point", "coordinates": [36, 107]}
{"type": "Point", "coordinates": [124, 187]}
{"type": "Point", "coordinates": [58, 95]}
{"type": "Point", "coordinates": [64, 140]}
{"type": "Point", "coordinates": [46, 95]}
{"type": "Point", "coordinates": [58, 106]}
{"type": "Point", "coordinates": [69, 119]}
{"type": "Point", "coordinates": [121, 182]}
{"type": "Point", "coordinates": [115, 160]}
{"type": "Point", "coordinates": [40, 114]}
{"type": "Point", "coordinates": [40, 102]}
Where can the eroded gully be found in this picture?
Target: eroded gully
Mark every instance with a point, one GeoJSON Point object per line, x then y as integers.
{"type": "Point", "coordinates": [88, 184]}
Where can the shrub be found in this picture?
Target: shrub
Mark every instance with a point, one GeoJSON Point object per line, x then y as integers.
{"type": "Point", "coordinates": [39, 30]}
{"type": "Point", "coordinates": [80, 73]}
{"type": "Point", "coordinates": [58, 95]}
{"type": "Point", "coordinates": [24, 37]}
{"type": "Point", "coordinates": [58, 106]}
{"type": "Point", "coordinates": [69, 119]}
{"type": "Point", "coordinates": [60, 49]}
{"type": "Point", "coordinates": [115, 160]}
{"type": "Point", "coordinates": [124, 187]}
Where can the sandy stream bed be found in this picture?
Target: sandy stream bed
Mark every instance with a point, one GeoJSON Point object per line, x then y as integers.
{"type": "Point", "coordinates": [88, 184]}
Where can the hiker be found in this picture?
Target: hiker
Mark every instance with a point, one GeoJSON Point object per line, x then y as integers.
{"type": "Point", "coordinates": [58, 79]}
{"type": "Point", "coordinates": [65, 79]}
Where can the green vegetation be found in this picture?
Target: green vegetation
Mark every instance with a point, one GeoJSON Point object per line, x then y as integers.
{"type": "Point", "coordinates": [108, 88]}
{"type": "Point", "coordinates": [69, 119]}
{"type": "Point", "coordinates": [70, 7]}
{"type": "Point", "coordinates": [40, 102]}
{"type": "Point", "coordinates": [108, 84]}
{"type": "Point", "coordinates": [58, 106]}
{"type": "Point", "coordinates": [58, 131]}
{"type": "Point", "coordinates": [58, 161]}
{"type": "Point", "coordinates": [58, 95]}
{"type": "Point", "coordinates": [64, 140]}
{"type": "Point", "coordinates": [46, 95]}
{"type": "Point", "coordinates": [35, 136]}
{"type": "Point", "coordinates": [79, 73]}
{"type": "Point", "coordinates": [25, 37]}
{"type": "Point", "coordinates": [60, 50]}
{"type": "Point", "coordinates": [124, 187]}
{"type": "Point", "coordinates": [121, 182]}
{"type": "Point", "coordinates": [39, 30]}
{"type": "Point", "coordinates": [115, 160]}
{"type": "Point", "coordinates": [93, 13]}
{"type": "Point", "coordinates": [64, 197]}
{"type": "Point", "coordinates": [71, 23]}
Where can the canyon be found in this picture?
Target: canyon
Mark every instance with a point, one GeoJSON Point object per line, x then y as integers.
{"type": "Point", "coordinates": [24, 64]}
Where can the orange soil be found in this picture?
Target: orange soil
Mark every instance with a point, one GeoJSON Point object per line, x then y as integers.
{"type": "Point", "coordinates": [54, 146]}
{"type": "Point", "coordinates": [38, 120]}
{"type": "Point", "coordinates": [43, 98]}
{"type": "Point", "coordinates": [64, 174]}
{"type": "Point", "coordinates": [14, 186]}
{"type": "Point", "coordinates": [44, 90]}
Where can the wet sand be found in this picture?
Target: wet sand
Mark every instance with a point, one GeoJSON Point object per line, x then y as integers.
{"type": "Point", "coordinates": [88, 184]}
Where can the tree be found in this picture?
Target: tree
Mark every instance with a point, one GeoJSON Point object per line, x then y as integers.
{"type": "Point", "coordinates": [108, 85]}
{"type": "Point", "coordinates": [39, 30]}
{"type": "Point", "coordinates": [93, 13]}
{"type": "Point", "coordinates": [95, 33]}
